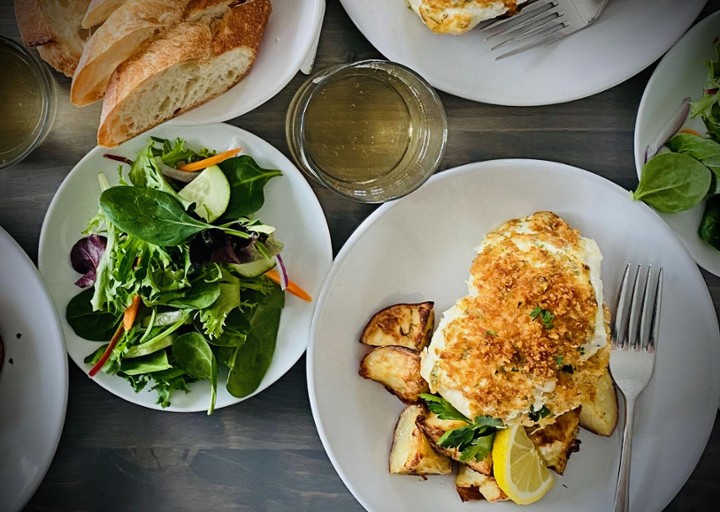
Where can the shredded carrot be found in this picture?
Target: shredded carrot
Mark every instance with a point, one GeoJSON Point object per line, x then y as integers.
{"type": "Point", "coordinates": [207, 162]}
{"type": "Point", "coordinates": [131, 313]}
{"type": "Point", "coordinates": [292, 287]}
{"type": "Point", "coordinates": [690, 131]}
{"type": "Point", "coordinates": [108, 350]}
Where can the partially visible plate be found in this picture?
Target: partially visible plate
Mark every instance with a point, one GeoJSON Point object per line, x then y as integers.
{"type": "Point", "coordinates": [420, 248]}
{"type": "Point", "coordinates": [629, 36]}
{"type": "Point", "coordinates": [290, 206]}
{"type": "Point", "coordinates": [290, 34]}
{"type": "Point", "coordinates": [33, 379]}
{"type": "Point", "coordinates": [680, 74]}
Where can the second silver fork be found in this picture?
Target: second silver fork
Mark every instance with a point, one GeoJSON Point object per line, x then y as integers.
{"type": "Point", "coordinates": [635, 331]}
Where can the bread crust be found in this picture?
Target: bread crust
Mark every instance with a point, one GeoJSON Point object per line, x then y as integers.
{"type": "Point", "coordinates": [190, 45]}
{"type": "Point", "coordinates": [34, 28]}
{"type": "Point", "coordinates": [98, 11]}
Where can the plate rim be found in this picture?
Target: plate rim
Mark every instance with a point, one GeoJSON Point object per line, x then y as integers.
{"type": "Point", "coordinates": [450, 88]}
{"type": "Point", "coordinates": [278, 158]}
{"type": "Point", "coordinates": [448, 174]}
{"type": "Point", "coordinates": [29, 492]}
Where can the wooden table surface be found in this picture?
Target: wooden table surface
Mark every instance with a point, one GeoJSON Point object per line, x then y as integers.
{"type": "Point", "coordinates": [264, 454]}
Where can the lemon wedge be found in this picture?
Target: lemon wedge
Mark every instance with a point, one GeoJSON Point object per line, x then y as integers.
{"type": "Point", "coordinates": [518, 468]}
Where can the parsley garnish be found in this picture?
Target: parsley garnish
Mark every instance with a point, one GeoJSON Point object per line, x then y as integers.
{"type": "Point", "coordinates": [567, 368]}
{"type": "Point", "coordinates": [490, 332]}
{"type": "Point", "coordinates": [545, 316]}
{"type": "Point", "coordinates": [473, 441]}
{"type": "Point", "coordinates": [540, 413]}
{"type": "Point", "coordinates": [581, 349]}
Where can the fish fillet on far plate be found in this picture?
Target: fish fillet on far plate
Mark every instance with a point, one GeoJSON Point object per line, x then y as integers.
{"type": "Point", "coordinates": [458, 16]}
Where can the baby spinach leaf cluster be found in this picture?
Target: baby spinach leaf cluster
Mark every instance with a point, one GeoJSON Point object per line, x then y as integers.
{"type": "Point", "coordinates": [200, 318]}
{"type": "Point", "coordinates": [688, 171]}
{"type": "Point", "coordinates": [473, 441]}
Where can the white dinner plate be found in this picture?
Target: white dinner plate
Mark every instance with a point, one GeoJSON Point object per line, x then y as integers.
{"type": "Point", "coordinates": [289, 36]}
{"type": "Point", "coordinates": [290, 206]}
{"type": "Point", "coordinates": [33, 379]}
{"type": "Point", "coordinates": [629, 36]}
{"type": "Point", "coordinates": [680, 74]}
{"type": "Point", "coordinates": [421, 247]}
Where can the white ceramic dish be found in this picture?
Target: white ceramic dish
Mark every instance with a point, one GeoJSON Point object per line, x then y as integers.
{"type": "Point", "coordinates": [33, 380]}
{"type": "Point", "coordinates": [420, 248]}
{"type": "Point", "coordinates": [680, 74]}
{"type": "Point", "coordinates": [630, 36]}
{"type": "Point", "coordinates": [290, 206]}
{"type": "Point", "coordinates": [290, 34]}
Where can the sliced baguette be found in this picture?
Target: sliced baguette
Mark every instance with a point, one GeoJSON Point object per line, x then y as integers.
{"type": "Point", "coordinates": [53, 27]}
{"type": "Point", "coordinates": [127, 29]}
{"type": "Point", "coordinates": [190, 65]}
{"type": "Point", "coordinates": [98, 11]}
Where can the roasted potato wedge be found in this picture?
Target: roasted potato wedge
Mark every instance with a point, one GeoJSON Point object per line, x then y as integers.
{"type": "Point", "coordinates": [411, 453]}
{"type": "Point", "coordinates": [557, 441]}
{"type": "Point", "coordinates": [599, 413]}
{"type": "Point", "coordinates": [398, 369]}
{"type": "Point", "coordinates": [433, 427]}
{"type": "Point", "coordinates": [404, 325]}
{"type": "Point", "coordinates": [471, 485]}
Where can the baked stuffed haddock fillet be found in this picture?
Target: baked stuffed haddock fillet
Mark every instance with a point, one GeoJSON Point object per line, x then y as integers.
{"type": "Point", "coordinates": [458, 16]}
{"type": "Point", "coordinates": [530, 339]}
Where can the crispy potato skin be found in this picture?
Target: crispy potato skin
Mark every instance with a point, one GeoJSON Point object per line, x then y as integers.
{"type": "Point", "coordinates": [557, 441]}
{"type": "Point", "coordinates": [411, 453]}
{"type": "Point", "coordinates": [396, 368]}
{"type": "Point", "coordinates": [472, 485]}
{"type": "Point", "coordinates": [404, 325]}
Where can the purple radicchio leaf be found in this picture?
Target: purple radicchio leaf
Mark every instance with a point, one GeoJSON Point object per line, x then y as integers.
{"type": "Point", "coordinates": [85, 257]}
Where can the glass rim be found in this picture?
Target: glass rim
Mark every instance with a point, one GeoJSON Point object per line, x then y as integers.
{"type": "Point", "coordinates": [295, 119]}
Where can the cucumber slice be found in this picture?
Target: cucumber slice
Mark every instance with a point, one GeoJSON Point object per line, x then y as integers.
{"type": "Point", "coordinates": [210, 192]}
{"type": "Point", "coordinates": [254, 268]}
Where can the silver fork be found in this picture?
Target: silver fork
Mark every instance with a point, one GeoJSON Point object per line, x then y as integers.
{"type": "Point", "coordinates": [541, 22]}
{"type": "Point", "coordinates": [634, 336]}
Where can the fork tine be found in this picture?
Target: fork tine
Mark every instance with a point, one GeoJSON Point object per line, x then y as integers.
{"type": "Point", "coordinates": [538, 28]}
{"type": "Point", "coordinates": [655, 313]}
{"type": "Point", "coordinates": [526, 25]}
{"type": "Point", "coordinates": [636, 309]}
{"type": "Point", "coordinates": [528, 13]}
{"type": "Point", "coordinates": [619, 325]}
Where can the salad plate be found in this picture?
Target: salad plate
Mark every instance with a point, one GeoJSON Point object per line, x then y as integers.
{"type": "Point", "coordinates": [680, 74]}
{"type": "Point", "coordinates": [628, 37]}
{"type": "Point", "coordinates": [289, 36]}
{"type": "Point", "coordinates": [431, 236]}
{"type": "Point", "coordinates": [33, 377]}
{"type": "Point", "coordinates": [290, 205]}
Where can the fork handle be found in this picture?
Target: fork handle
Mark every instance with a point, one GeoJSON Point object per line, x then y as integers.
{"type": "Point", "coordinates": [622, 491]}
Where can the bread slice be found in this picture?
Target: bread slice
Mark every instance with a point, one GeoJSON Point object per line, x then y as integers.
{"type": "Point", "coordinates": [191, 64]}
{"type": "Point", "coordinates": [98, 11]}
{"type": "Point", "coordinates": [127, 29]}
{"type": "Point", "coordinates": [53, 27]}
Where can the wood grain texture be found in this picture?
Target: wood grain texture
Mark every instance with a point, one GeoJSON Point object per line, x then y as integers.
{"type": "Point", "coordinates": [265, 454]}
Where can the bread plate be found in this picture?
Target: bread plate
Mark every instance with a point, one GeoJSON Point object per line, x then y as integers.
{"type": "Point", "coordinates": [628, 37]}
{"type": "Point", "coordinates": [420, 248]}
{"type": "Point", "coordinates": [33, 378]}
{"type": "Point", "coordinates": [290, 206]}
{"type": "Point", "coordinates": [289, 37]}
{"type": "Point", "coordinates": [680, 74]}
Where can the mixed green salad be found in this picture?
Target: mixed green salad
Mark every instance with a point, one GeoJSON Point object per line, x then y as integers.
{"type": "Point", "coordinates": [687, 169]}
{"type": "Point", "coordinates": [175, 273]}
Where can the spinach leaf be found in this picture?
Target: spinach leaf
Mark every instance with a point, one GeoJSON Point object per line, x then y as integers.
{"type": "Point", "coordinates": [198, 296]}
{"type": "Point", "coordinates": [252, 360]}
{"type": "Point", "coordinates": [247, 180]}
{"type": "Point", "coordinates": [87, 323]}
{"type": "Point", "coordinates": [673, 182]}
{"type": "Point", "coordinates": [709, 229]}
{"type": "Point", "coordinates": [235, 332]}
{"type": "Point", "coordinates": [193, 354]}
{"type": "Point", "coordinates": [155, 362]}
{"type": "Point", "coordinates": [705, 150]}
{"type": "Point", "coordinates": [151, 215]}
